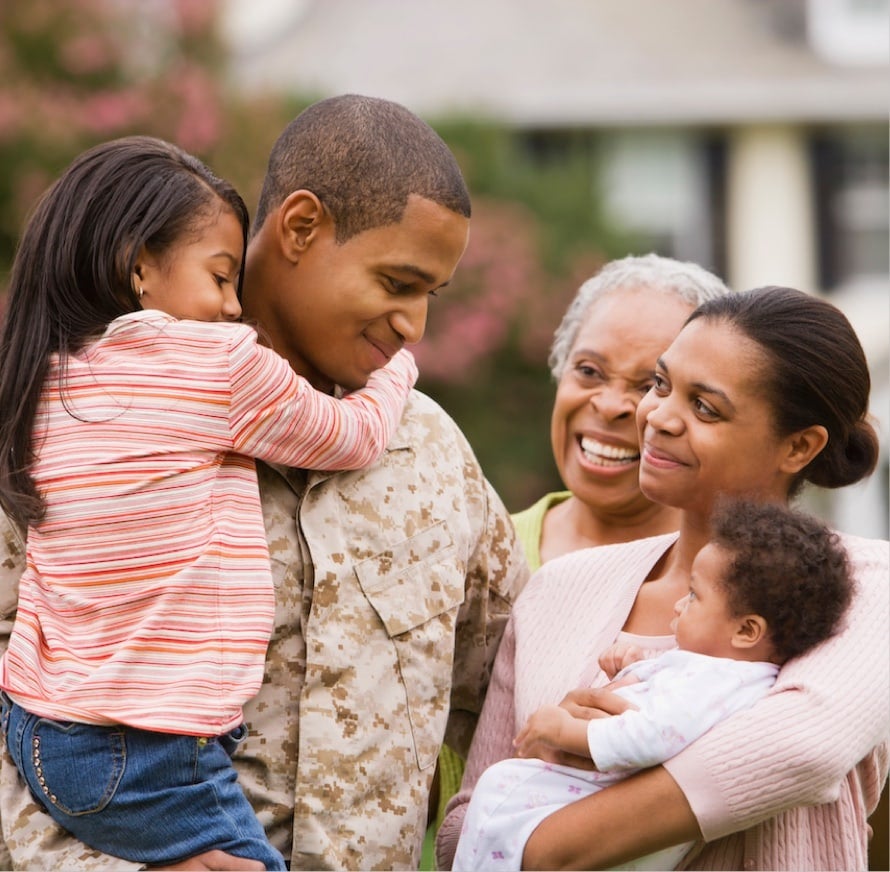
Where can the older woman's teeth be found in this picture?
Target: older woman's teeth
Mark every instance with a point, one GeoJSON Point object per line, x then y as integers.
{"type": "Point", "coordinates": [607, 455]}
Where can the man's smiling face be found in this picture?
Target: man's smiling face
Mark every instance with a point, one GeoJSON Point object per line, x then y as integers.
{"type": "Point", "coordinates": [351, 306]}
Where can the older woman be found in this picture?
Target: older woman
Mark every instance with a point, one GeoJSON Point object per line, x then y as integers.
{"type": "Point", "coordinates": [759, 394]}
{"type": "Point", "coordinates": [603, 361]}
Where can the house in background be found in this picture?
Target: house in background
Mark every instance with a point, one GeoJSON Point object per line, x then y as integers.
{"type": "Point", "coordinates": [747, 135]}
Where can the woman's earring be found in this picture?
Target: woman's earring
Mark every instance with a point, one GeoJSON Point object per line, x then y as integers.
{"type": "Point", "coordinates": [140, 292]}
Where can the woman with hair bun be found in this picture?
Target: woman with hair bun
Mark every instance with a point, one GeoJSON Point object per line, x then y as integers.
{"type": "Point", "coordinates": [760, 394]}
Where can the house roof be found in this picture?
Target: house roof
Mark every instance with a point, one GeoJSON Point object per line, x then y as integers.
{"type": "Point", "coordinates": [562, 62]}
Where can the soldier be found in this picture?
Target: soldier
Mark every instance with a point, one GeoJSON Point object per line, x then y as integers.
{"type": "Point", "coordinates": [393, 583]}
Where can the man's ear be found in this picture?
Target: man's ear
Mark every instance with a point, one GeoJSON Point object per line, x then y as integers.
{"type": "Point", "coordinates": [300, 217]}
{"type": "Point", "coordinates": [802, 447]}
{"type": "Point", "coordinates": [750, 631]}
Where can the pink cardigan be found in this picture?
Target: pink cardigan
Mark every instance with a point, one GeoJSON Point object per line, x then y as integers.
{"type": "Point", "coordinates": [787, 784]}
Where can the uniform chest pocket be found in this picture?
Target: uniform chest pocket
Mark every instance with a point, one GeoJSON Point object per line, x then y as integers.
{"type": "Point", "coordinates": [416, 588]}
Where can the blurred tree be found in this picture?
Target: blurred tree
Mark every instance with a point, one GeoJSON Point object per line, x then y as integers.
{"type": "Point", "coordinates": [536, 234]}
{"type": "Point", "coordinates": [77, 72]}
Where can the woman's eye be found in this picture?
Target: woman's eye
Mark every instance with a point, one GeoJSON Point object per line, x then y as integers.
{"type": "Point", "coordinates": [660, 384]}
{"type": "Point", "coordinates": [396, 286]}
{"type": "Point", "coordinates": [221, 280]}
{"type": "Point", "coordinates": [434, 293]}
{"type": "Point", "coordinates": [644, 388]}
{"type": "Point", "coordinates": [588, 371]}
{"type": "Point", "coordinates": [705, 410]}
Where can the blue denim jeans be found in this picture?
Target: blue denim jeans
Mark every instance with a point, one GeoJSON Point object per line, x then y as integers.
{"type": "Point", "coordinates": [148, 797]}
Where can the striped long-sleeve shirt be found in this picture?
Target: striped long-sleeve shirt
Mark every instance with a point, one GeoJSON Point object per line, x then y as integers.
{"type": "Point", "coordinates": [147, 597]}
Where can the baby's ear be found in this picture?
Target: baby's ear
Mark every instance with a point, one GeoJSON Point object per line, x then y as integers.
{"type": "Point", "coordinates": [750, 631]}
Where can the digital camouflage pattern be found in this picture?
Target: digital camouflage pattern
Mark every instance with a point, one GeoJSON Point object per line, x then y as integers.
{"type": "Point", "coordinates": [393, 585]}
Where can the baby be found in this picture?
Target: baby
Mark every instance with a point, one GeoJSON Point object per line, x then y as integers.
{"type": "Point", "coordinates": [770, 585]}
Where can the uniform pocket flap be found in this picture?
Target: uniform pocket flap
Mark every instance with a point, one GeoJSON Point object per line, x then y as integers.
{"type": "Point", "coordinates": [406, 583]}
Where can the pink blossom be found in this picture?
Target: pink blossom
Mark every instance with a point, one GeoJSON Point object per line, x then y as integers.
{"type": "Point", "coordinates": [108, 113]}
{"type": "Point", "coordinates": [13, 117]}
{"type": "Point", "coordinates": [485, 306]}
{"type": "Point", "coordinates": [200, 124]}
{"type": "Point", "coordinates": [85, 53]}
{"type": "Point", "coordinates": [195, 16]}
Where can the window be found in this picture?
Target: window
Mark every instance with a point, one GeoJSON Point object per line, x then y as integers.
{"type": "Point", "coordinates": [853, 205]}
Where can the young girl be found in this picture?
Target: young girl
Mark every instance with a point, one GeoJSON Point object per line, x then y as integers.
{"type": "Point", "coordinates": [132, 409]}
{"type": "Point", "coordinates": [771, 585]}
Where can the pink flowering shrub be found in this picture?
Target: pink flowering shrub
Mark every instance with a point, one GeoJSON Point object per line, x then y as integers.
{"type": "Point", "coordinates": [501, 302]}
{"type": "Point", "coordinates": [77, 72]}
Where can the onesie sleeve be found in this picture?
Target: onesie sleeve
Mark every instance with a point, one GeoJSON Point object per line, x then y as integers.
{"type": "Point", "coordinates": [681, 695]}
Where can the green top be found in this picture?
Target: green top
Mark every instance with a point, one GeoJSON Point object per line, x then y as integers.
{"type": "Point", "coordinates": [529, 524]}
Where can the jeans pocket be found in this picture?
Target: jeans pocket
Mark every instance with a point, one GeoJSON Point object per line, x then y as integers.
{"type": "Point", "coordinates": [75, 767]}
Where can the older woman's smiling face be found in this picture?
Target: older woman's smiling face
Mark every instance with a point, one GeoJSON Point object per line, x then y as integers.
{"type": "Point", "coordinates": [609, 369]}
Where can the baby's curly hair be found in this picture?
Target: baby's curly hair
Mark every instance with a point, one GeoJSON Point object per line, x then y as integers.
{"type": "Point", "coordinates": [787, 567]}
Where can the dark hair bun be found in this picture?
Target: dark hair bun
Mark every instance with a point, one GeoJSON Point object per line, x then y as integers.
{"type": "Point", "coordinates": [840, 465]}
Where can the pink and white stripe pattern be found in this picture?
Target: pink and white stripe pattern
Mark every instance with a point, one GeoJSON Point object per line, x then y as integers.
{"type": "Point", "coordinates": [147, 598]}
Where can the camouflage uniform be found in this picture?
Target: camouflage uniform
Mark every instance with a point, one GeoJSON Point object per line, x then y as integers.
{"type": "Point", "coordinates": [392, 589]}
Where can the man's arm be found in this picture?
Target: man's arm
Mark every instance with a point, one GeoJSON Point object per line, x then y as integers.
{"type": "Point", "coordinates": [496, 572]}
{"type": "Point", "coordinates": [595, 833]}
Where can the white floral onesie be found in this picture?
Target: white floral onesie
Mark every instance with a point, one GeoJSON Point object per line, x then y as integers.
{"type": "Point", "coordinates": [679, 696]}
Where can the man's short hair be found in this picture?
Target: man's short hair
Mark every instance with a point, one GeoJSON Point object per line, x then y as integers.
{"type": "Point", "coordinates": [362, 157]}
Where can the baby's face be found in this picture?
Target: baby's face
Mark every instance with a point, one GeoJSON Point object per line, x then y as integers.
{"type": "Point", "coordinates": [702, 622]}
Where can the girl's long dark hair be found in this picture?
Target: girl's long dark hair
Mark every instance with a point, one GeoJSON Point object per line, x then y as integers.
{"type": "Point", "coordinates": [72, 274]}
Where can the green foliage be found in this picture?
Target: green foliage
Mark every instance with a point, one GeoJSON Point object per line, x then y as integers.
{"type": "Point", "coordinates": [536, 235]}
{"type": "Point", "coordinates": [552, 173]}
{"type": "Point", "coordinates": [77, 72]}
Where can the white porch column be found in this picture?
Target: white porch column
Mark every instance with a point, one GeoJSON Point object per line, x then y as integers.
{"type": "Point", "coordinates": [770, 212]}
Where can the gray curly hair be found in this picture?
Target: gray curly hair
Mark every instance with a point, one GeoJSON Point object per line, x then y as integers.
{"type": "Point", "coordinates": [689, 281]}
